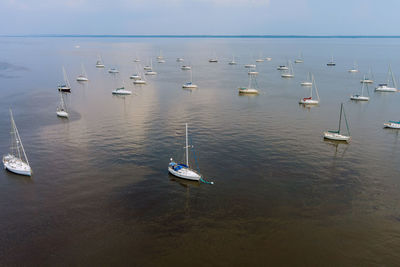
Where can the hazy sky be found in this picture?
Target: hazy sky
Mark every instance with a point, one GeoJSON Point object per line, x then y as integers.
{"type": "Point", "coordinates": [312, 17]}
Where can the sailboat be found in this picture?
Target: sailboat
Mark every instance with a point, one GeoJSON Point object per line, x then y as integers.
{"type": "Point", "coordinates": [250, 66]}
{"type": "Point", "coordinates": [331, 63]}
{"type": "Point", "coordinates": [260, 59]}
{"type": "Point", "coordinates": [368, 78]}
{"type": "Point", "coordinates": [289, 73]}
{"type": "Point", "coordinates": [121, 91]}
{"type": "Point", "coordinates": [282, 67]}
{"type": "Point", "coordinates": [268, 58]}
{"type": "Point", "coordinates": [82, 77]}
{"type": "Point", "coordinates": [361, 97]}
{"type": "Point", "coordinates": [249, 90]}
{"type": "Point", "coordinates": [16, 161]}
{"type": "Point", "coordinates": [136, 60]}
{"type": "Point", "coordinates": [299, 59]}
{"type": "Point", "coordinates": [113, 70]}
{"type": "Point", "coordinates": [62, 108]}
{"type": "Point", "coordinates": [65, 87]}
{"type": "Point", "coordinates": [190, 85]}
{"type": "Point", "coordinates": [354, 69]}
{"type": "Point", "coordinates": [150, 71]}
{"type": "Point", "coordinates": [159, 57]}
{"type": "Point", "coordinates": [99, 62]}
{"type": "Point", "coordinates": [252, 72]}
{"type": "Point", "coordinates": [186, 67]}
{"type": "Point", "coordinates": [309, 100]}
{"type": "Point", "coordinates": [180, 59]}
{"type": "Point", "coordinates": [183, 170]}
{"type": "Point", "coordinates": [140, 80]}
{"type": "Point", "coordinates": [308, 82]}
{"type": "Point", "coordinates": [233, 62]}
{"type": "Point", "coordinates": [336, 135]}
{"type": "Point", "coordinates": [385, 87]}
{"type": "Point", "coordinates": [213, 59]}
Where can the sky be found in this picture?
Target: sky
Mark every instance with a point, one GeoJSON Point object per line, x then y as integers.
{"type": "Point", "coordinates": [193, 17]}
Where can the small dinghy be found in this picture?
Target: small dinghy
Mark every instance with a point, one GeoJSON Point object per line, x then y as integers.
{"type": "Point", "coordinates": [16, 161]}
{"type": "Point", "coordinates": [186, 67]}
{"type": "Point", "coordinates": [282, 67]}
{"type": "Point", "coordinates": [182, 170]}
{"type": "Point", "coordinates": [337, 135]}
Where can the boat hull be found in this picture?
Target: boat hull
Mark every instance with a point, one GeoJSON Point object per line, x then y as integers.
{"type": "Point", "coordinates": [336, 136]}
{"type": "Point", "coordinates": [359, 98]}
{"type": "Point", "coordinates": [100, 66]}
{"type": "Point", "coordinates": [385, 89]}
{"type": "Point", "coordinates": [306, 83]}
{"type": "Point", "coordinates": [62, 114]}
{"type": "Point", "coordinates": [248, 91]}
{"type": "Point", "coordinates": [150, 73]}
{"type": "Point", "coordinates": [366, 81]}
{"type": "Point", "coordinates": [191, 86]}
{"type": "Point", "coordinates": [309, 102]}
{"type": "Point", "coordinates": [82, 79]}
{"type": "Point", "coordinates": [16, 165]}
{"type": "Point", "coordinates": [185, 173]}
{"type": "Point", "coordinates": [287, 75]}
{"type": "Point", "coordinates": [392, 125]}
{"type": "Point", "coordinates": [121, 92]}
{"type": "Point", "coordinates": [139, 82]}
{"type": "Point", "coordinates": [253, 73]}
{"type": "Point", "coordinates": [353, 71]}
{"type": "Point", "coordinates": [249, 66]}
{"type": "Point", "coordinates": [298, 61]}
{"type": "Point", "coordinates": [282, 68]}
{"type": "Point", "coordinates": [64, 89]}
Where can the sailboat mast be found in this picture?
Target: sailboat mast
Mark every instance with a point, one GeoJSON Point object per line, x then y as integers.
{"type": "Point", "coordinates": [340, 116]}
{"type": "Point", "coordinates": [187, 147]}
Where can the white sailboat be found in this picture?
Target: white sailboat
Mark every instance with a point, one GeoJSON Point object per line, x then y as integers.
{"type": "Point", "coordinates": [113, 70]}
{"type": "Point", "coordinates": [368, 78]}
{"type": "Point", "coordinates": [289, 73]}
{"type": "Point", "coordinates": [180, 59]}
{"type": "Point", "coordinates": [150, 71]}
{"type": "Point", "coordinates": [331, 63]}
{"type": "Point", "coordinates": [186, 67]}
{"type": "Point", "coordinates": [189, 85]}
{"type": "Point", "coordinates": [82, 77]}
{"type": "Point", "coordinates": [160, 56]}
{"type": "Point", "coordinates": [337, 135]}
{"type": "Point", "coordinates": [307, 82]}
{"type": "Point", "coordinates": [66, 86]}
{"type": "Point", "coordinates": [387, 87]}
{"type": "Point", "coordinates": [62, 108]}
{"type": "Point", "coordinates": [249, 90]}
{"type": "Point", "coordinates": [361, 97]}
{"type": "Point", "coordinates": [310, 100]}
{"type": "Point", "coordinates": [252, 72]}
{"type": "Point", "coordinates": [250, 66]}
{"type": "Point", "coordinates": [260, 59]}
{"type": "Point", "coordinates": [16, 161]}
{"type": "Point", "coordinates": [183, 170]}
{"type": "Point", "coordinates": [299, 59]}
{"type": "Point", "coordinates": [232, 62]}
{"type": "Point", "coordinates": [121, 91]}
{"type": "Point", "coordinates": [99, 62]}
{"type": "Point", "coordinates": [354, 69]}
{"type": "Point", "coordinates": [282, 67]}
{"type": "Point", "coordinates": [141, 80]}
{"type": "Point", "coordinates": [268, 58]}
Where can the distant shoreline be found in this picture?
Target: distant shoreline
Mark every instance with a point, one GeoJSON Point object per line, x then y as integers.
{"type": "Point", "coordinates": [201, 36]}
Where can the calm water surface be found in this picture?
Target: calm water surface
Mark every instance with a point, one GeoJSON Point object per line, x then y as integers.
{"type": "Point", "coordinates": [101, 192]}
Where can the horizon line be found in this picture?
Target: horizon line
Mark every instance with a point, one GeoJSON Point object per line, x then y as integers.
{"type": "Point", "coordinates": [198, 36]}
